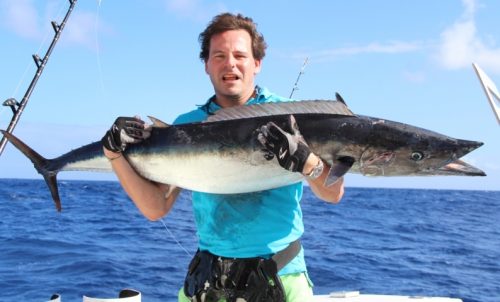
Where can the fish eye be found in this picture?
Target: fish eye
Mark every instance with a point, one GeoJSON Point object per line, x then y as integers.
{"type": "Point", "coordinates": [417, 156]}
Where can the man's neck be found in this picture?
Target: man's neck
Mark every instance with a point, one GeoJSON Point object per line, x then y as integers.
{"type": "Point", "coordinates": [228, 101]}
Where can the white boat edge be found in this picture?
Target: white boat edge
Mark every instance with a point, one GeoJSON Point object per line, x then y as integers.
{"type": "Point", "coordinates": [130, 295]}
{"type": "Point", "coordinates": [356, 296]}
{"type": "Point", "coordinates": [125, 295]}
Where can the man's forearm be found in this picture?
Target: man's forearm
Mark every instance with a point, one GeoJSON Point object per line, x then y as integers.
{"type": "Point", "coordinates": [152, 199]}
{"type": "Point", "coordinates": [331, 193]}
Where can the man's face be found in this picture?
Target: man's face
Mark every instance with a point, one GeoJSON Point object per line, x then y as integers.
{"type": "Point", "coordinates": [232, 67]}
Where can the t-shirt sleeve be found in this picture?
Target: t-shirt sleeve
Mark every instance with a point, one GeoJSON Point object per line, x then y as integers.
{"type": "Point", "coordinates": [196, 115]}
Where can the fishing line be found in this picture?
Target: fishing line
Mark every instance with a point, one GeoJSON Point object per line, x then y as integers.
{"type": "Point", "coordinates": [175, 239]}
{"type": "Point", "coordinates": [98, 54]}
{"type": "Point", "coordinates": [99, 66]}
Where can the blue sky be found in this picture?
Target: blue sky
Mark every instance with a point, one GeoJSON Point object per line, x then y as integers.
{"type": "Point", "coordinates": [408, 61]}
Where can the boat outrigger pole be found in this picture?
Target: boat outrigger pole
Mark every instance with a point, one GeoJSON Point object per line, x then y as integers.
{"type": "Point", "coordinates": [18, 107]}
{"type": "Point", "coordinates": [490, 89]}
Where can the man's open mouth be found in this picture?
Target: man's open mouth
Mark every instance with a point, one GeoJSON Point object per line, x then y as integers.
{"type": "Point", "coordinates": [230, 77]}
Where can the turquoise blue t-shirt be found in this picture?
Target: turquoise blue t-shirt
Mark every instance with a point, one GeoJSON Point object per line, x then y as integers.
{"type": "Point", "coordinates": [250, 224]}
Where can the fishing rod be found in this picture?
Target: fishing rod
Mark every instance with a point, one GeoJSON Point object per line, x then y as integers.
{"type": "Point", "coordinates": [18, 107]}
{"type": "Point", "coordinates": [296, 85]}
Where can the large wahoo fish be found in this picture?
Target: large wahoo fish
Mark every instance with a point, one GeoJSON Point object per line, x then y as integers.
{"type": "Point", "coordinates": [223, 155]}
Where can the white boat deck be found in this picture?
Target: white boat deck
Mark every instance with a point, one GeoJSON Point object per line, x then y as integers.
{"type": "Point", "coordinates": [356, 296]}
{"type": "Point", "coordinates": [130, 295]}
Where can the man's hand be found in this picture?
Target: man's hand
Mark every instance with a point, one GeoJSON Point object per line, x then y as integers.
{"type": "Point", "coordinates": [288, 146]}
{"type": "Point", "coordinates": [124, 131]}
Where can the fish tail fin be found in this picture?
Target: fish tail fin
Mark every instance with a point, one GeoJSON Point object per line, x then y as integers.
{"type": "Point", "coordinates": [42, 165]}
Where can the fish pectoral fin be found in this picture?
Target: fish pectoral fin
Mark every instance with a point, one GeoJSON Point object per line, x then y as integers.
{"type": "Point", "coordinates": [158, 123]}
{"type": "Point", "coordinates": [339, 168]}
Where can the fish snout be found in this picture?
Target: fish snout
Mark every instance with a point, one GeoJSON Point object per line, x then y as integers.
{"type": "Point", "coordinates": [466, 146]}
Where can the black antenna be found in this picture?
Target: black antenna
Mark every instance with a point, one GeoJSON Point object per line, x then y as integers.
{"type": "Point", "coordinates": [295, 86]}
{"type": "Point", "coordinates": [18, 107]}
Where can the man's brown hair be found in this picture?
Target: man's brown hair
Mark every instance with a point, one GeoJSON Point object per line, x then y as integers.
{"type": "Point", "coordinates": [227, 21]}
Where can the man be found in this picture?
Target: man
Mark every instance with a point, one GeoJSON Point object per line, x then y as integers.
{"type": "Point", "coordinates": [245, 240]}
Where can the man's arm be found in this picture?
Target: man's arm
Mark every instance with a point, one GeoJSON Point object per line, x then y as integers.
{"type": "Point", "coordinates": [154, 200]}
{"type": "Point", "coordinates": [333, 193]}
{"type": "Point", "coordinates": [293, 154]}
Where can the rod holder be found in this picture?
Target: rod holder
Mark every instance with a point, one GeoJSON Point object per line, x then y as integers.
{"type": "Point", "coordinates": [12, 103]}
{"type": "Point", "coordinates": [55, 26]}
{"type": "Point", "coordinates": [38, 60]}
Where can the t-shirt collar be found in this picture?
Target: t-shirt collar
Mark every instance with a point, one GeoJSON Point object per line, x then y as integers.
{"type": "Point", "coordinates": [261, 94]}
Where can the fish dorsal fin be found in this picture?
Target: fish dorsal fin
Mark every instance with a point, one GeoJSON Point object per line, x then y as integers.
{"type": "Point", "coordinates": [158, 123]}
{"type": "Point", "coordinates": [279, 108]}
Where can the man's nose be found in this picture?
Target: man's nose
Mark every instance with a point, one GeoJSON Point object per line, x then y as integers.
{"type": "Point", "coordinates": [230, 61]}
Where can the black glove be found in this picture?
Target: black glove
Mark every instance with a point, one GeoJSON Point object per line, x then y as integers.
{"type": "Point", "coordinates": [288, 146]}
{"type": "Point", "coordinates": [125, 130]}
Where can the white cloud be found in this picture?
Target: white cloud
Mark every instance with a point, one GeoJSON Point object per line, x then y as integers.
{"type": "Point", "coordinates": [391, 47]}
{"type": "Point", "coordinates": [20, 17]}
{"type": "Point", "coordinates": [81, 29]}
{"type": "Point", "coordinates": [375, 47]}
{"type": "Point", "coordinates": [460, 44]}
{"type": "Point", "coordinates": [414, 76]}
{"type": "Point", "coordinates": [31, 20]}
{"type": "Point", "coordinates": [470, 8]}
{"type": "Point", "coordinates": [195, 10]}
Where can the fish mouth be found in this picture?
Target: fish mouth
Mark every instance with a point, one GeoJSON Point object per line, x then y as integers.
{"type": "Point", "coordinates": [459, 167]}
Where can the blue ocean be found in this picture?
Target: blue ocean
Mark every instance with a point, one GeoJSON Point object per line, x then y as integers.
{"type": "Point", "coordinates": [378, 241]}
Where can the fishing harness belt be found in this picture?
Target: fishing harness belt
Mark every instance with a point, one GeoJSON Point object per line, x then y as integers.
{"type": "Point", "coordinates": [211, 277]}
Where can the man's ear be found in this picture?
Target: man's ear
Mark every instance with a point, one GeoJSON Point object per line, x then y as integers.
{"type": "Point", "coordinates": [258, 64]}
